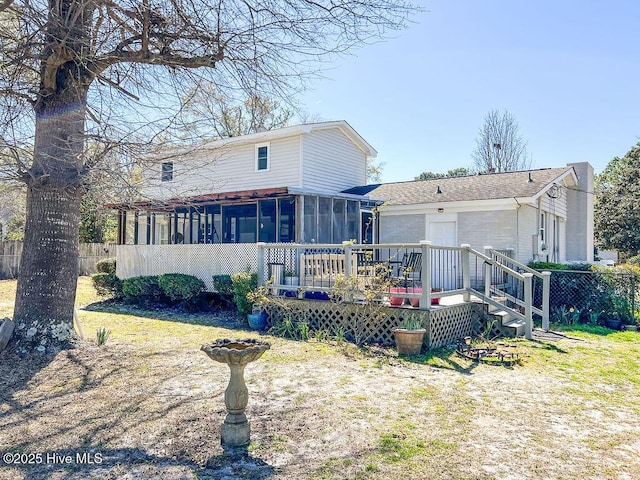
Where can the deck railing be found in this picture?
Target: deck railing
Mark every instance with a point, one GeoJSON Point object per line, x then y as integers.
{"type": "Point", "coordinates": [422, 274]}
{"type": "Point", "coordinates": [510, 289]}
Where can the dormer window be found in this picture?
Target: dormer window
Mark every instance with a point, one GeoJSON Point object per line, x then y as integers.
{"type": "Point", "coordinates": [167, 171]}
{"type": "Point", "coordinates": [262, 157]}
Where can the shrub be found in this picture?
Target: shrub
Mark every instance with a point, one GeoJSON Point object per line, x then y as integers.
{"type": "Point", "coordinates": [583, 267]}
{"type": "Point", "coordinates": [179, 287]}
{"type": "Point", "coordinates": [635, 260]}
{"type": "Point", "coordinates": [548, 266]}
{"type": "Point", "coordinates": [243, 283]}
{"type": "Point", "coordinates": [142, 289]}
{"type": "Point", "coordinates": [106, 265]}
{"type": "Point", "coordinates": [107, 284]}
{"type": "Point", "coordinates": [223, 285]}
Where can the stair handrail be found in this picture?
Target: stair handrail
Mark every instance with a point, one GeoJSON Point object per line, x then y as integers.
{"type": "Point", "coordinates": [545, 276]}
{"type": "Point", "coordinates": [525, 277]}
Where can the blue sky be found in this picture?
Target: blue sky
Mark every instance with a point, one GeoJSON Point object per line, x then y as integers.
{"type": "Point", "coordinates": [569, 71]}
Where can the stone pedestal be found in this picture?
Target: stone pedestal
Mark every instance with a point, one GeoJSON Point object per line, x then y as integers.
{"type": "Point", "coordinates": [237, 354]}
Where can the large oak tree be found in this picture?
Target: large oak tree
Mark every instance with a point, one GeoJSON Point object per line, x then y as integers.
{"type": "Point", "coordinates": [112, 71]}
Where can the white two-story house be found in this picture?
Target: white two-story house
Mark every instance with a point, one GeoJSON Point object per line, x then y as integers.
{"type": "Point", "coordinates": [307, 184]}
{"type": "Point", "coordinates": [283, 185]}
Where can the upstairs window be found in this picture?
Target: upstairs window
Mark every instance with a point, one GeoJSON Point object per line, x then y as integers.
{"type": "Point", "coordinates": [167, 171]}
{"type": "Point", "coordinates": [262, 157]}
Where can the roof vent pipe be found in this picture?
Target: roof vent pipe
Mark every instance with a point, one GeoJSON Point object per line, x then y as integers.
{"type": "Point", "coordinates": [530, 179]}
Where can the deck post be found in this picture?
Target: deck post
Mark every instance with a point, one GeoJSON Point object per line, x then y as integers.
{"type": "Point", "coordinates": [528, 312]}
{"type": "Point", "coordinates": [347, 245]}
{"type": "Point", "coordinates": [261, 264]}
{"type": "Point", "coordinates": [425, 275]}
{"type": "Point", "coordinates": [488, 251]}
{"type": "Point", "coordinates": [466, 274]}
{"type": "Point", "coordinates": [546, 293]}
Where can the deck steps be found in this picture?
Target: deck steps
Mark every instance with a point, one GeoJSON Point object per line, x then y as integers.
{"type": "Point", "coordinates": [507, 322]}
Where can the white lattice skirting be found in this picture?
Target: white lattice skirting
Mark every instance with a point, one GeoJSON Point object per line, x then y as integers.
{"type": "Point", "coordinates": [444, 325]}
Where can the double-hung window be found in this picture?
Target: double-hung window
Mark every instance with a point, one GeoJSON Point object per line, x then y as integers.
{"type": "Point", "coordinates": [167, 172]}
{"type": "Point", "coordinates": [262, 157]}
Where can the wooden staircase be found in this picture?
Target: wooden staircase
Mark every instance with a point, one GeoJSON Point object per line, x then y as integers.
{"type": "Point", "coordinates": [505, 320]}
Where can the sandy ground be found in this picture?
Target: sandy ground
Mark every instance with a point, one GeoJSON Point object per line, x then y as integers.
{"type": "Point", "coordinates": [326, 411]}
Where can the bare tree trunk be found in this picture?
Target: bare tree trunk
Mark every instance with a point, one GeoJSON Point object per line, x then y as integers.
{"type": "Point", "coordinates": [48, 275]}
{"type": "Point", "coordinates": [49, 264]}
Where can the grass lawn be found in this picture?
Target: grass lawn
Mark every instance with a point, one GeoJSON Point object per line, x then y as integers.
{"type": "Point", "coordinates": [149, 404]}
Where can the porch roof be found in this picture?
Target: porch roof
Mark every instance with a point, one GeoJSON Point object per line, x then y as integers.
{"type": "Point", "coordinates": [522, 184]}
{"type": "Point", "coordinates": [228, 197]}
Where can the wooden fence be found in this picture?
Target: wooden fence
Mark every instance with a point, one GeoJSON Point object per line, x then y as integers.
{"type": "Point", "coordinates": [90, 253]}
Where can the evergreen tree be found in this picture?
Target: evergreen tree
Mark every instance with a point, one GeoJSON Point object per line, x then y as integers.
{"type": "Point", "coordinates": [617, 204]}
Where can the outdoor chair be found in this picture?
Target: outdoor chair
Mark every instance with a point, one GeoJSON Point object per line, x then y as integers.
{"type": "Point", "coordinates": [410, 270]}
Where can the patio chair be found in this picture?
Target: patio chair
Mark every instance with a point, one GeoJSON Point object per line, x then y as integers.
{"type": "Point", "coordinates": [410, 269]}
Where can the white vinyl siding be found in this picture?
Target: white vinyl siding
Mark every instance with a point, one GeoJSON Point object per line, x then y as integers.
{"type": "Point", "coordinates": [228, 169]}
{"type": "Point", "coordinates": [555, 206]}
{"type": "Point", "coordinates": [332, 162]}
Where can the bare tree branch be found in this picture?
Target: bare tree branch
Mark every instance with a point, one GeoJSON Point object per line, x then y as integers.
{"type": "Point", "coordinates": [499, 145]}
{"type": "Point", "coordinates": [86, 86]}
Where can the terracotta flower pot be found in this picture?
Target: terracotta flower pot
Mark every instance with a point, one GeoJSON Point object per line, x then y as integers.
{"type": "Point", "coordinates": [396, 301]}
{"type": "Point", "coordinates": [409, 342]}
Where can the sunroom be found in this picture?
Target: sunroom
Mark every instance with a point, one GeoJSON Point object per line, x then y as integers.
{"type": "Point", "coordinates": [281, 215]}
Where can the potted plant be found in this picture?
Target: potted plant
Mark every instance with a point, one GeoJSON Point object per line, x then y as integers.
{"type": "Point", "coordinates": [393, 300]}
{"type": "Point", "coordinates": [258, 317]}
{"type": "Point", "coordinates": [410, 336]}
{"type": "Point", "coordinates": [613, 321]}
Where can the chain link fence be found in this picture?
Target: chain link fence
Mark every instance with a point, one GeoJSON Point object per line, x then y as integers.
{"type": "Point", "coordinates": [593, 296]}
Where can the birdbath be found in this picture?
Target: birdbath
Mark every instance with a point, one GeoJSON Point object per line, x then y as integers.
{"type": "Point", "coordinates": [237, 354]}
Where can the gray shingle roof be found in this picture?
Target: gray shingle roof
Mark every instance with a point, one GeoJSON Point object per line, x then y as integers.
{"type": "Point", "coordinates": [468, 188]}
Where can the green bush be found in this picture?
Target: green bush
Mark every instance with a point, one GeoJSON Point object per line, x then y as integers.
{"type": "Point", "coordinates": [583, 267]}
{"type": "Point", "coordinates": [107, 284]}
{"type": "Point", "coordinates": [106, 265]}
{"type": "Point", "coordinates": [243, 283]}
{"type": "Point", "coordinates": [223, 285]}
{"type": "Point", "coordinates": [142, 289]}
{"type": "Point", "coordinates": [179, 287]}
{"type": "Point", "coordinates": [635, 260]}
